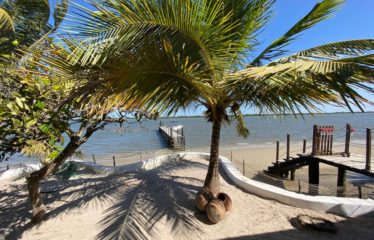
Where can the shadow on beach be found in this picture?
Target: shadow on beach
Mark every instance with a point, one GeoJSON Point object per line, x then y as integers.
{"type": "Point", "coordinates": [132, 205]}
{"type": "Point", "coordinates": [137, 201]}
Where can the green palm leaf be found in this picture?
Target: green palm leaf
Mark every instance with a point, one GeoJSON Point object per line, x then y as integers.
{"type": "Point", "coordinates": [320, 12]}
{"type": "Point", "coordinates": [6, 23]}
{"type": "Point", "coordinates": [334, 50]}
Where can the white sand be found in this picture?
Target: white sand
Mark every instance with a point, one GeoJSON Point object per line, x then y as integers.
{"type": "Point", "coordinates": [156, 204]}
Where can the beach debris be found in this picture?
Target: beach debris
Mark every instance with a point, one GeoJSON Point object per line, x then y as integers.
{"type": "Point", "coordinates": [215, 210]}
{"type": "Point", "coordinates": [226, 200]}
{"type": "Point", "coordinates": [315, 223]}
{"type": "Point", "coordinates": [202, 199]}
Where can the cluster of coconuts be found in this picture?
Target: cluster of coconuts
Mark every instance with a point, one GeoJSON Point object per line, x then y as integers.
{"type": "Point", "coordinates": [215, 207]}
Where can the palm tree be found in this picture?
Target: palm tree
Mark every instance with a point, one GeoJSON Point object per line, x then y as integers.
{"type": "Point", "coordinates": [173, 54]}
{"type": "Point", "coordinates": [24, 23]}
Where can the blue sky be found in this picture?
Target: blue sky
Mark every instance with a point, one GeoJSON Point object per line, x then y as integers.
{"type": "Point", "coordinates": [354, 21]}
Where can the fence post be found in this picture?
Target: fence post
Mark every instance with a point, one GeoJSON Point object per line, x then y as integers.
{"type": "Point", "coordinates": [114, 161]}
{"type": "Point", "coordinates": [314, 140]}
{"type": "Point", "coordinates": [368, 149]}
{"type": "Point", "coordinates": [288, 147]}
{"type": "Point", "coordinates": [347, 140]}
{"type": "Point", "coordinates": [304, 146]}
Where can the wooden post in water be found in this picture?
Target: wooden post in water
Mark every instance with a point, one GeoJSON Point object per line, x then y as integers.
{"type": "Point", "coordinates": [304, 146]}
{"type": "Point", "coordinates": [360, 192]}
{"type": "Point", "coordinates": [231, 156]}
{"type": "Point", "coordinates": [313, 171]}
{"type": "Point", "coordinates": [277, 153]}
{"type": "Point", "coordinates": [315, 140]}
{"type": "Point", "coordinates": [342, 175]}
{"type": "Point", "coordinates": [114, 161]}
{"type": "Point", "coordinates": [7, 166]}
{"type": "Point", "coordinates": [299, 190]}
{"type": "Point", "coordinates": [347, 140]}
{"type": "Point", "coordinates": [368, 149]}
{"type": "Point", "coordinates": [292, 175]}
{"type": "Point", "coordinates": [288, 147]}
{"type": "Point", "coordinates": [93, 158]}
{"type": "Point", "coordinates": [141, 158]}
{"type": "Point", "coordinates": [243, 168]}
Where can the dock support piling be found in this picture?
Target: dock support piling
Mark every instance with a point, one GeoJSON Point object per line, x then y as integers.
{"type": "Point", "coordinates": [368, 149]}
{"type": "Point", "coordinates": [313, 171]}
{"type": "Point", "coordinates": [292, 175]}
{"type": "Point", "coordinates": [341, 183]}
{"type": "Point", "coordinates": [277, 153]}
{"type": "Point", "coordinates": [288, 147]}
{"type": "Point", "coordinates": [304, 146]}
{"type": "Point", "coordinates": [315, 141]}
{"type": "Point", "coordinates": [347, 140]}
{"type": "Point", "coordinates": [359, 192]}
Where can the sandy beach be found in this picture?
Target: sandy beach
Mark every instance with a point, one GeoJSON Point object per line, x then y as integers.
{"type": "Point", "coordinates": [156, 204]}
{"type": "Point", "coordinates": [258, 158]}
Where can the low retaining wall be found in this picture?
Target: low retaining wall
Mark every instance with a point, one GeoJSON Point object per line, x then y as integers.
{"type": "Point", "coordinates": [347, 207]}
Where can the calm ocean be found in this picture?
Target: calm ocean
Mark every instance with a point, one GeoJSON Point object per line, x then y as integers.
{"type": "Point", "coordinates": [145, 137]}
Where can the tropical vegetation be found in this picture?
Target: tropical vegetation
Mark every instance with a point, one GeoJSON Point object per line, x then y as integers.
{"type": "Point", "coordinates": [37, 117]}
{"type": "Point", "coordinates": [166, 55]}
{"type": "Point", "coordinates": [174, 54]}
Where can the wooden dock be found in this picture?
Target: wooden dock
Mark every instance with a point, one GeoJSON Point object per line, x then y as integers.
{"type": "Point", "coordinates": [174, 136]}
{"type": "Point", "coordinates": [322, 152]}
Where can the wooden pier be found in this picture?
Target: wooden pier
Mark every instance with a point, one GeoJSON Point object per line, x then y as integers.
{"type": "Point", "coordinates": [174, 136]}
{"type": "Point", "coordinates": [322, 152]}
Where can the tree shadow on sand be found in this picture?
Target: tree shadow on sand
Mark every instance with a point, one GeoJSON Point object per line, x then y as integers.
{"type": "Point", "coordinates": [158, 197]}
{"type": "Point", "coordinates": [137, 202]}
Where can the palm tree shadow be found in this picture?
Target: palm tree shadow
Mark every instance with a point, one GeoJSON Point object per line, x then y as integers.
{"type": "Point", "coordinates": [159, 197]}
{"type": "Point", "coordinates": [137, 202]}
{"type": "Point", "coordinates": [60, 197]}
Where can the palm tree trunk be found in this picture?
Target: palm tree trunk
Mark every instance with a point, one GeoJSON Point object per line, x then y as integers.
{"type": "Point", "coordinates": [212, 177]}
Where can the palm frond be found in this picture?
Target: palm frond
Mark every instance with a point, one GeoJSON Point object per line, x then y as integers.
{"type": "Point", "coordinates": [241, 127]}
{"type": "Point", "coordinates": [320, 12]}
{"type": "Point", "coordinates": [250, 16]}
{"type": "Point", "coordinates": [60, 11]}
{"type": "Point", "coordinates": [121, 25]}
{"type": "Point", "coordinates": [6, 23]}
{"type": "Point", "coordinates": [6, 33]}
{"type": "Point", "coordinates": [334, 51]}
